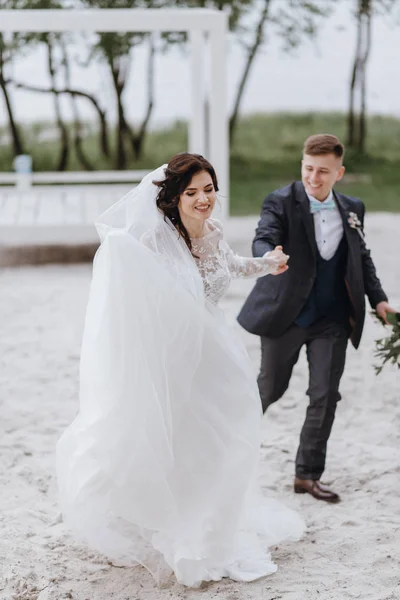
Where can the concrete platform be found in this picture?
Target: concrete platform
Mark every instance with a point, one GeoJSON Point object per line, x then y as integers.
{"type": "Point", "coordinates": [55, 224]}
{"type": "Point", "coordinates": [52, 224]}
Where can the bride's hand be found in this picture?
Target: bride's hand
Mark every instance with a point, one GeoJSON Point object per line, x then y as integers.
{"type": "Point", "coordinates": [278, 259]}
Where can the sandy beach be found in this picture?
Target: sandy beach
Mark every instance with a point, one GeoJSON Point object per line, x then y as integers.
{"type": "Point", "coordinates": [350, 551]}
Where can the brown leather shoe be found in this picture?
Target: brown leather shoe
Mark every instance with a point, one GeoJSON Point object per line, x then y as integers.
{"type": "Point", "coordinates": [316, 489]}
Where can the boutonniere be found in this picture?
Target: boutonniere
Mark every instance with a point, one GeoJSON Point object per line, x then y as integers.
{"type": "Point", "coordinates": [355, 223]}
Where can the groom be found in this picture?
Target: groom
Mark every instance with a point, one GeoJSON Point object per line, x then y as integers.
{"type": "Point", "coordinates": [319, 302]}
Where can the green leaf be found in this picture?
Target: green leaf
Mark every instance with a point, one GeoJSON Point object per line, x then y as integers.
{"type": "Point", "coordinates": [393, 318]}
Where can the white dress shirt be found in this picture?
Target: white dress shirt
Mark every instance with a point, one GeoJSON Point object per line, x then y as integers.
{"type": "Point", "coordinates": [328, 228]}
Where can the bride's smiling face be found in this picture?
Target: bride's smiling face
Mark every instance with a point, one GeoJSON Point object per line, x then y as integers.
{"type": "Point", "coordinates": [198, 199]}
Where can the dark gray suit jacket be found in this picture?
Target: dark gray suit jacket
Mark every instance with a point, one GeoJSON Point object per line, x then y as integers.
{"type": "Point", "coordinates": [275, 302]}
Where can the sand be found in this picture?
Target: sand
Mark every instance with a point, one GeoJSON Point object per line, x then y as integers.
{"type": "Point", "coordinates": [350, 550]}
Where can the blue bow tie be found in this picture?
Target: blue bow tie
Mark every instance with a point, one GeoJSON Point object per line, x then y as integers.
{"type": "Point", "coordinates": [316, 206]}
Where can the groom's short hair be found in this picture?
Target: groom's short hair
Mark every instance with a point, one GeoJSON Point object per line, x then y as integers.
{"type": "Point", "coordinates": [323, 143]}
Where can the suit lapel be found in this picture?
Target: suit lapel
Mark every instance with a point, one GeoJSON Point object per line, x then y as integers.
{"type": "Point", "coordinates": [303, 204]}
{"type": "Point", "coordinates": [345, 208]}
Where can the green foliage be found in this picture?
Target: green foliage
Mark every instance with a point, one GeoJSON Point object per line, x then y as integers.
{"type": "Point", "coordinates": [295, 19]}
{"type": "Point", "coordinates": [236, 9]}
{"type": "Point", "coordinates": [266, 155]}
{"type": "Point", "coordinates": [267, 151]}
{"type": "Point", "coordinates": [388, 348]}
{"type": "Point", "coordinates": [42, 143]}
{"type": "Point", "coordinates": [278, 135]}
{"type": "Point", "coordinates": [113, 46]}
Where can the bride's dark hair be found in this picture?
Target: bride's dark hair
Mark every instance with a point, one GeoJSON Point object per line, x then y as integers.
{"type": "Point", "coordinates": [178, 174]}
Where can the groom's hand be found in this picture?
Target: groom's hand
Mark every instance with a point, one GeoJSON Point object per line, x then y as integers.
{"type": "Point", "coordinates": [283, 258]}
{"type": "Point", "coordinates": [382, 308]}
{"type": "Point", "coordinates": [280, 270]}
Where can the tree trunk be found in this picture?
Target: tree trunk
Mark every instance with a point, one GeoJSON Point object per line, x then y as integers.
{"type": "Point", "coordinates": [351, 132]}
{"type": "Point", "coordinates": [139, 138]}
{"type": "Point", "coordinates": [258, 40]}
{"type": "Point", "coordinates": [352, 129]}
{"type": "Point", "coordinates": [64, 138]}
{"type": "Point", "coordinates": [122, 127]}
{"type": "Point", "coordinates": [363, 111]}
{"type": "Point", "coordinates": [79, 94]}
{"type": "Point", "coordinates": [15, 135]}
{"type": "Point", "coordinates": [357, 120]}
{"type": "Point", "coordinates": [121, 131]}
{"type": "Point", "coordinates": [85, 162]}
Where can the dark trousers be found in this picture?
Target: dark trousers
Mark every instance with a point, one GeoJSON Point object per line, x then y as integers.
{"type": "Point", "coordinates": [326, 344]}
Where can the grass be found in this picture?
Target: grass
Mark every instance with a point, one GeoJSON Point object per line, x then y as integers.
{"type": "Point", "coordinates": [377, 185]}
{"type": "Point", "coordinates": [265, 155]}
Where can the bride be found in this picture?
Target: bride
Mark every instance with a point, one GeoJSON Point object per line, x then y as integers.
{"type": "Point", "coordinates": [160, 465]}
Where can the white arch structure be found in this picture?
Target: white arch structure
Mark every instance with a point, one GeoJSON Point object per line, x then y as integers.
{"type": "Point", "coordinates": [207, 31]}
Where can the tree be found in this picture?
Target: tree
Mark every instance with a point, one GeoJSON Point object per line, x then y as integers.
{"type": "Point", "coordinates": [8, 50]}
{"type": "Point", "coordinates": [5, 57]}
{"type": "Point", "coordinates": [58, 61]}
{"type": "Point", "coordinates": [84, 160]}
{"type": "Point", "coordinates": [50, 40]}
{"type": "Point", "coordinates": [365, 11]}
{"type": "Point", "coordinates": [356, 132]}
{"type": "Point", "coordinates": [116, 51]}
{"type": "Point", "coordinates": [74, 93]}
{"type": "Point", "coordinates": [25, 41]}
{"type": "Point", "coordinates": [251, 51]}
{"type": "Point", "coordinates": [291, 20]}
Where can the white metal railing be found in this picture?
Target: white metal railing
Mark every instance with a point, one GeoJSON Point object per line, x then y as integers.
{"type": "Point", "coordinates": [57, 205]}
{"type": "Point", "coordinates": [26, 180]}
{"type": "Point", "coordinates": [207, 30]}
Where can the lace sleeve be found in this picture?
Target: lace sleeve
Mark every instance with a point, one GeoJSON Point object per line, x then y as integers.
{"type": "Point", "coordinates": [242, 266]}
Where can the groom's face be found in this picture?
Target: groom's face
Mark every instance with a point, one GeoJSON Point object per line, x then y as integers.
{"type": "Point", "coordinates": [320, 173]}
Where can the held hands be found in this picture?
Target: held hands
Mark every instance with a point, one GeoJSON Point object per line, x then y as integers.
{"type": "Point", "coordinates": [278, 259]}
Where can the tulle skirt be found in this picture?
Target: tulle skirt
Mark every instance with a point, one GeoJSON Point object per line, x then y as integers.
{"type": "Point", "coordinates": [160, 465]}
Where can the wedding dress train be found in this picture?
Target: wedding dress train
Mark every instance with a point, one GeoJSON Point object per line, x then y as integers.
{"type": "Point", "coordinates": [160, 465]}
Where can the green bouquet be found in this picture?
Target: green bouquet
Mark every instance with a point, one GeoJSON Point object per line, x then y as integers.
{"type": "Point", "coordinates": [388, 348]}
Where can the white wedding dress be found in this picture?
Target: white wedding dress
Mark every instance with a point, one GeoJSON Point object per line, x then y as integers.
{"type": "Point", "coordinates": [160, 465]}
